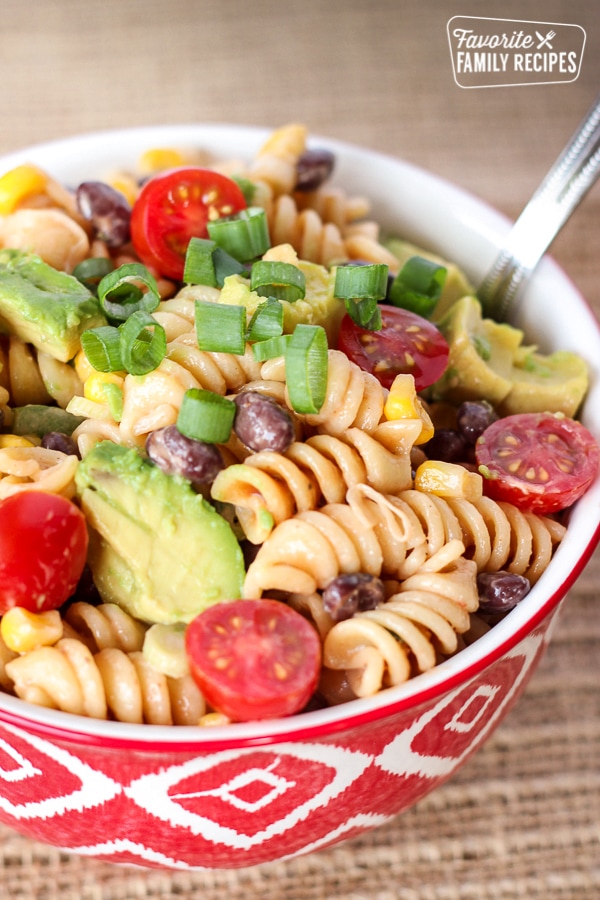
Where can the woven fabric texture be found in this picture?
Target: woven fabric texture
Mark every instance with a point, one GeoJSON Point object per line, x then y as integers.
{"type": "Point", "coordinates": [522, 818]}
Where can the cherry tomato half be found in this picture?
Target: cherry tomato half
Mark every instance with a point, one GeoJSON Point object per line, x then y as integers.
{"type": "Point", "coordinates": [541, 462]}
{"type": "Point", "coordinates": [254, 659]}
{"type": "Point", "coordinates": [174, 206]}
{"type": "Point", "coordinates": [43, 547]}
{"type": "Point", "coordinates": [405, 344]}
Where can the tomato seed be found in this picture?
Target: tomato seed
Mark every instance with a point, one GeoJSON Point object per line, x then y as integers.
{"type": "Point", "coordinates": [280, 671]}
{"type": "Point", "coordinates": [221, 663]}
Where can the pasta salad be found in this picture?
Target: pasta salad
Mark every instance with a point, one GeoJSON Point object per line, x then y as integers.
{"type": "Point", "coordinates": [256, 456]}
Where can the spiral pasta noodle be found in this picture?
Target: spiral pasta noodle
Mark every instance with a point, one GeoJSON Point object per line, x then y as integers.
{"type": "Point", "coordinates": [402, 533]}
{"type": "Point", "coordinates": [334, 205]}
{"type": "Point", "coordinates": [406, 634]}
{"type": "Point", "coordinates": [353, 397]}
{"type": "Point", "coordinates": [108, 684]}
{"type": "Point", "coordinates": [311, 237]}
{"type": "Point", "coordinates": [305, 553]}
{"type": "Point", "coordinates": [36, 469]}
{"type": "Point", "coordinates": [269, 487]}
{"type": "Point", "coordinates": [105, 625]}
{"type": "Point", "coordinates": [500, 536]}
{"type": "Point", "coordinates": [497, 535]}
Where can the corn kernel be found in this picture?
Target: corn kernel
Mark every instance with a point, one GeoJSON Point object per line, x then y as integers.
{"type": "Point", "coordinates": [213, 719]}
{"type": "Point", "coordinates": [95, 384]}
{"type": "Point", "coordinates": [448, 480]}
{"type": "Point", "coordinates": [23, 630]}
{"type": "Point", "coordinates": [14, 440]}
{"type": "Point", "coordinates": [83, 367]}
{"type": "Point", "coordinates": [126, 184]}
{"type": "Point", "coordinates": [158, 159]}
{"type": "Point", "coordinates": [18, 184]}
{"type": "Point", "coordinates": [402, 402]}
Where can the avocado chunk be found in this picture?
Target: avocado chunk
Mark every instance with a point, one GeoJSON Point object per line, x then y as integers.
{"type": "Point", "coordinates": [157, 548]}
{"type": "Point", "coordinates": [35, 418]}
{"type": "Point", "coordinates": [43, 306]}
{"type": "Point", "coordinates": [481, 355]}
{"type": "Point", "coordinates": [487, 361]}
{"type": "Point", "coordinates": [554, 383]}
{"type": "Point", "coordinates": [456, 285]}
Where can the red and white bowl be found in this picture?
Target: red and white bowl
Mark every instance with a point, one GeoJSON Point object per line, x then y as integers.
{"type": "Point", "coordinates": [226, 797]}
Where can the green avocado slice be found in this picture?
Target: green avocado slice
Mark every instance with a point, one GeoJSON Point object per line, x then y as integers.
{"type": "Point", "coordinates": [481, 355]}
{"type": "Point", "coordinates": [43, 306]}
{"type": "Point", "coordinates": [557, 382]}
{"type": "Point", "coordinates": [157, 548]}
{"type": "Point", "coordinates": [488, 361]}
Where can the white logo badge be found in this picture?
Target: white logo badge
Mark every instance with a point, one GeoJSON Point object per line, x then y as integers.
{"type": "Point", "coordinates": [512, 52]}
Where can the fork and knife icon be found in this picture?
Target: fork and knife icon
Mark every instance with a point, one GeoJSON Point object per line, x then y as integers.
{"type": "Point", "coordinates": [545, 41]}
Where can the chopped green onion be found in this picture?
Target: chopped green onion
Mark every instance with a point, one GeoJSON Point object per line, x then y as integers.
{"type": "Point", "coordinates": [362, 287]}
{"type": "Point", "coordinates": [143, 343]}
{"type": "Point", "coordinates": [418, 285]}
{"type": "Point", "coordinates": [306, 366]}
{"type": "Point", "coordinates": [245, 235]}
{"type": "Point", "coordinates": [205, 416]}
{"type": "Point", "coordinates": [365, 313]}
{"type": "Point", "coordinates": [225, 265]}
{"type": "Point", "coordinates": [91, 271]}
{"type": "Point", "coordinates": [102, 348]}
{"type": "Point", "coordinates": [221, 328]}
{"type": "Point", "coordinates": [266, 321]}
{"type": "Point", "coordinates": [361, 282]}
{"type": "Point", "coordinates": [199, 267]}
{"type": "Point", "coordinates": [271, 348]}
{"type": "Point", "coordinates": [280, 280]}
{"type": "Point", "coordinates": [120, 293]}
{"type": "Point", "coordinates": [207, 263]}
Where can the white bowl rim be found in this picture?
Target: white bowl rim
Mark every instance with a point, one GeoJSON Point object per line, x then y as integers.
{"type": "Point", "coordinates": [569, 560]}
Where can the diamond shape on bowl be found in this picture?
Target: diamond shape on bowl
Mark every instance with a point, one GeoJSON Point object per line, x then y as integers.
{"type": "Point", "coordinates": [242, 798]}
{"type": "Point", "coordinates": [442, 737]}
{"type": "Point", "coordinates": [60, 781]}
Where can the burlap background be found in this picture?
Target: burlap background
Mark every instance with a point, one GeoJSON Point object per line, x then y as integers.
{"type": "Point", "coordinates": [521, 820]}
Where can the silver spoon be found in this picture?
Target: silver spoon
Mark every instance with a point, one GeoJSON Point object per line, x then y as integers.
{"type": "Point", "coordinates": [569, 179]}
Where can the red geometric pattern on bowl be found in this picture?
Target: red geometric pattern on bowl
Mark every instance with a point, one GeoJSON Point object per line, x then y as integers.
{"type": "Point", "coordinates": [241, 807]}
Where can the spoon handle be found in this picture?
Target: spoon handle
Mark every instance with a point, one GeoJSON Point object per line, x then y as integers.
{"type": "Point", "coordinates": [569, 179]}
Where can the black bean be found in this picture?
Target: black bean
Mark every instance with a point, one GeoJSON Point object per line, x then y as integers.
{"type": "Point", "coordinates": [446, 445]}
{"type": "Point", "coordinates": [313, 168]}
{"type": "Point", "coordinates": [473, 417]}
{"type": "Point", "coordinates": [261, 423]}
{"type": "Point", "coordinates": [107, 209]}
{"type": "Point", "coordinates": [56, 440]}
{"type": "Point", "coordinates": [176, 454]}
{"type": "Point", "coordinates": [348, 594]}
{"type": "Point", "coordinates": [499, 592]}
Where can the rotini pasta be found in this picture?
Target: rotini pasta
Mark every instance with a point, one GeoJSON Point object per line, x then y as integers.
{"type": "Point", "coordinates": [106, 625]}
{"type": "Point", "coordinates": [69, 677]}
{"type": "Point", "coordinates": [406, 634]}
{"type": "Point", "coordinates": [304, 230]}
{"type": "Point", "coordinates": [270, 487]}
{"type": "Point", "coordinates": [36, 469]}
{"type": "Point", "coordinates": [305, 553]}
